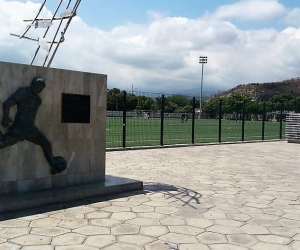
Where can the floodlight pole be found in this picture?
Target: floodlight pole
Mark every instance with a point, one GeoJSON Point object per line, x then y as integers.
{"type": "Point", "coordinates": [132, 89]}
{"type": "Point", "coordinates": [202, 60]}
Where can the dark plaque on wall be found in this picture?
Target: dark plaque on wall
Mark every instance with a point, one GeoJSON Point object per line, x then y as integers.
{"type": "Point", "coordinates": [75, 108]}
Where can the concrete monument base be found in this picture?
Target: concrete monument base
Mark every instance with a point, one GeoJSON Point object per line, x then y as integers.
{"type": "Point", "coordinates": [52, 137]}
{"type": "Point", "coordinates": [111, 185]}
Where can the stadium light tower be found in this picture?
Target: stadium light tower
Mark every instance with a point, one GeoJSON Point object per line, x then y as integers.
{"type": "Point", "coordinates": [132, 89]}
{"type": "Point", "coordinates": [202, 60]}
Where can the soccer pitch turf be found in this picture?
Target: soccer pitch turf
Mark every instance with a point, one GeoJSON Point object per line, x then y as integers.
{"type": "Point", "coordinates": [146, 132]}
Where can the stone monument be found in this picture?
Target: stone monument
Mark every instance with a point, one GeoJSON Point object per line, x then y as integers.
{"type": "Point", "coordinates": [52, 136]}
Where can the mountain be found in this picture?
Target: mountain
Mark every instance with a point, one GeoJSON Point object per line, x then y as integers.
{"type": "Point", "coordinates": [264, 91]}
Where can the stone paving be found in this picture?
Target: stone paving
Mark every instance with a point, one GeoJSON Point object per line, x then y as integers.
{"type": "Point", "coordinates": [231, 197]}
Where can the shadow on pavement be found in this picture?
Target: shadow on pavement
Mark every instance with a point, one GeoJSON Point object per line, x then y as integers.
{"type": "Point", "coordinates": [178, 195]}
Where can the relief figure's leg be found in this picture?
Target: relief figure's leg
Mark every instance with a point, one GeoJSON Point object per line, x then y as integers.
{"type": "Point", "coordinates": [58, 163]}
{"type": "Point", "coordinates": [8, 139]}
{"type": "Point", "coordinates": [38, 138]}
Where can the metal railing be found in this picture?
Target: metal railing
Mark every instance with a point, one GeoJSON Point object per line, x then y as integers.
{"type": "Point", "coordinates": [141, 128]}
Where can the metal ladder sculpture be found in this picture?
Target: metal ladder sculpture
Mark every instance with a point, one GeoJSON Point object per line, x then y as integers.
{"type": "Point", "coordinates": [51, 46]}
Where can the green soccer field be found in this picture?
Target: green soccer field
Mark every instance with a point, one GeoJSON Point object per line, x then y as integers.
{"type": "Point", "coordinates": [146, 132]}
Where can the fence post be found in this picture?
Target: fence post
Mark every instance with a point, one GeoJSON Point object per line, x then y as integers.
{"type": "Point", "coordinates": [124, 120]}
{"type": "Point", "coordinates": [162, 115]}
{"type": "Point", "coordinates": [280, 120]}
{"type": "Point", "coordinates": [220, 120]}
{"type": "Point", "coordinates": [243, 122]}
{"type": "Point", "coordinates": [193, 121]}
{"type": "Point", "coordinates": [263, 122]}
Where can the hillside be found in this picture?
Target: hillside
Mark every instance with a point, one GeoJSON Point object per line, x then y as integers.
{"type": "Point", "coordinates": [264, 91]}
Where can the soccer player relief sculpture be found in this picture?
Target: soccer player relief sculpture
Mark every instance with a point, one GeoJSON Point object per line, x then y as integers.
{"type": "Point", "coordinates": [23, 128]}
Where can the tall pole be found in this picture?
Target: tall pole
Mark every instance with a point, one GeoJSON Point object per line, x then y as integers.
{"type": "Point", "coordinates": [201, 88]}
{"type": "Point", "coordinates": [295, 100]}
{"type": "Point", "coordinates": [202, 60]}
{"type": "Point", "coordinates": [295, 104]}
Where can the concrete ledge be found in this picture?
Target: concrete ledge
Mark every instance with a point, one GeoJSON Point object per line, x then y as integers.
{"type": "Point", "coordinates": [111, 185]}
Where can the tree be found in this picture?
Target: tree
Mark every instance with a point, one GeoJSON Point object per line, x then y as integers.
{"type": "Point", "coordinates": [157, 104]}
{"type": "Point", "coordinates": [211, 107]}
{"type": "Point", "coordinates": [180, 100]}
{"type": "Point", "coordinates": [113, 99]}
{"type": "Point", "coordinates": [288, 102]}
{"type": "Point", "coordinates": [131, 101]}
{"type": "Point", "coordinates": [234, 103]}
{"type": "Point", "coordinates": [176, 104]}
{"type": "Point", "coordinates": [188, 109]}
{"type": "Point", "coordinates": [144, 103]}
{"type": "Point", "coordinates": [254, 107]}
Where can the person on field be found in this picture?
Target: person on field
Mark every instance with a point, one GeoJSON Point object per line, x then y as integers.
{"type": "Point", "coordinates": [182, 117]}
{"type": "Point", "coordinates": [186, 118]}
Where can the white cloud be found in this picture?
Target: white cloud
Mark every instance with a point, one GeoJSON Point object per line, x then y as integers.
{"type": "Point", "coordinates": [156, 15]}
{"type": "Point", "coordinates": [162, 56]}
{"type": "Point", "coordinates": [293, 17]}
{"type": "Point", "coordinates": [251, 10]}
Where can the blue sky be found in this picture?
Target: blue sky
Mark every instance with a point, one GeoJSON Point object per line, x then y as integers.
{"type": "Point", "coordinates": [118, 12]}
{"type": "Point", "coordinates": [107, 14]}
{"type": "Point", "coordinates": [155, 44]}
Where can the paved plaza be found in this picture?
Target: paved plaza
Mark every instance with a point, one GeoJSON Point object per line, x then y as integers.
{"type": "Point", "coordinates": [216, 197]}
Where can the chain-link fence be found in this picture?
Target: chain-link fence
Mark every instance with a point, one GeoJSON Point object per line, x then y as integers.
{"type": "Point", "coordinates": [148, 119]}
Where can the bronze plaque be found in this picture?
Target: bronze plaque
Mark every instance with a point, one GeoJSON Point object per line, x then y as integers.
{"type": "Point", "coordinates": [75, 108]}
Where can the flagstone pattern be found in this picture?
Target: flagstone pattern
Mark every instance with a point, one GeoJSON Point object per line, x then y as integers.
{"type": "Point", "coordinates": [233, 197]}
